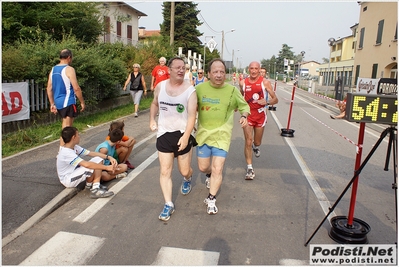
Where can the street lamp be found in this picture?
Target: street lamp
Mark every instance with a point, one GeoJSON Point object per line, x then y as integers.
{"type": "Point", "coordinates": [238, 50]}
{"type": "Point", "coordinates": [232, 30]}
{"type": "Point", "coordinates": [330, 43]}
{"type": "Point", "coordinates": [300, 63]}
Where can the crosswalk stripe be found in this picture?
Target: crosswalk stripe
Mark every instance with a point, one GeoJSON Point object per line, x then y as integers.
{"type": "Point", "coordinates": [169, 256]}
{"type": "Point", "coordinates": [80, 249]}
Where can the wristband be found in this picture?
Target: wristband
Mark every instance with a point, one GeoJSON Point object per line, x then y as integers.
{"type": "Point", "coordinates": [242, 116]}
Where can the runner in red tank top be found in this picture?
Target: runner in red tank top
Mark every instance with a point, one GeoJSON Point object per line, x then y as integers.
{"type": "Point", "coordinates": [258, 93]}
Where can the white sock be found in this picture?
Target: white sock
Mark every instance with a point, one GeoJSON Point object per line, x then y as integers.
{"type": "Point", "coordinates": [170, 204]}
{"type": "Point", "coordinates": [96, 185]}
{"type": "Point", "coordinates": [187, 179]}
{"type": "Point", "coordinates": [89, 184]}
{"type": "Point", "coordinates": [249, 166]}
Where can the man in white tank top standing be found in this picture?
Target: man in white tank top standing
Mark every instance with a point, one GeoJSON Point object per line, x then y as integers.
{"type": "Point", "coordinates": [176, 101]}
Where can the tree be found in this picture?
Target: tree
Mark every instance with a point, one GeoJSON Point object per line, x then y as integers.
{"type": "Point", "coordinates": [35, 20]}
{"type": "Point", "coordinates": [186, 23]}
{"type": "Point", "coordinates": [270, 65]}
{"type": "Point", "coordinates": [284, 53]}
{"type": "Point", "coordinates": [209, 56]}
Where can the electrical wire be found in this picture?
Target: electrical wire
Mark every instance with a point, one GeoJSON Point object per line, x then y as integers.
{"type": "Point", "coordinates": [206, 23]}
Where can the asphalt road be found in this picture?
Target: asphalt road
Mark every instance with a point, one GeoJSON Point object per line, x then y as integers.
{"type": "Point", "coordinates": [261, 222]}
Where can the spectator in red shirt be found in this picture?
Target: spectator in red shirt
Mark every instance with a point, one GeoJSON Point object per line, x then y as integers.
{"type": "Point", "coordinates": [159, 73]}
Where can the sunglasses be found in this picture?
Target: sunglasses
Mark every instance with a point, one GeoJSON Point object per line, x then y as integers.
{"type": "Point", "coordinates": [200, 72]}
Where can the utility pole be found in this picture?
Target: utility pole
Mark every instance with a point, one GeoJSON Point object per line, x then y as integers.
{"type": "Point", "coordinates": [232, 61]}
{"type": "Point", "coordinates": [172, 22]}
{"type": "Point", "coordinates": [232, 30]}
{"type": "Point", "coordinates": [222, 44]}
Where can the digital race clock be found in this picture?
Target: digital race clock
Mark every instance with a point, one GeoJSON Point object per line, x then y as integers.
{"type": "Point", "coordinates": [372, 108]}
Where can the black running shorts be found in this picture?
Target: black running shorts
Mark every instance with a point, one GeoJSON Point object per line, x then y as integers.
{"type": "Point", "coordinates": [70, 111]}
{"type": "Point", "coordinates": [167, 143]}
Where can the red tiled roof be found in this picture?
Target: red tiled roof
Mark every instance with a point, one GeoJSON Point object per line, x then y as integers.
{"type": "Point", "coordinates": [152, 33]}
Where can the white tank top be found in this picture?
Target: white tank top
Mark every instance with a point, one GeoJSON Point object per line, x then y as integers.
{"type": "Point", "coordinates": [173, 114]}
{"type": "Point", "coordinates": [187, 76]}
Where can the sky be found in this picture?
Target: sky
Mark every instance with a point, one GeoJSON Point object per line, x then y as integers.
{"type": "Point", "coordinates": [261, 28]}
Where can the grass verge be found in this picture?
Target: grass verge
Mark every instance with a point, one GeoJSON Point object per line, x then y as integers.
{"type": "Point", "coordinates": [25, 139]}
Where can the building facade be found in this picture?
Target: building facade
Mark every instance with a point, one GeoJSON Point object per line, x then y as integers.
{"type": "Point", "coordinates": [121, 23]}
{"type": "Point", "coordinates": [377, 40]}
{"type": "Point", "coordinates": [341, 61]}
{"type": "Point", "coordinates": [309, 68]}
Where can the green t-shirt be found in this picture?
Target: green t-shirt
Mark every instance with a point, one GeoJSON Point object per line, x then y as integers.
{"type": "Point", "coordinates": [216, 108]}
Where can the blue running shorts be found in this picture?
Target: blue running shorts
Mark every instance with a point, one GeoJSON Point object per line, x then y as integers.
{"type": "Point", "coordinates": [206, 151]}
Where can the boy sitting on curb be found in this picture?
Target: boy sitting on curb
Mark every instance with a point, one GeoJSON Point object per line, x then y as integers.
{"type": "Point", "coordinates": [124, 147]}
{"type": "Point", "coordinates": [108, 148]}
{"type": "Point", "coordinates": [72, 169]}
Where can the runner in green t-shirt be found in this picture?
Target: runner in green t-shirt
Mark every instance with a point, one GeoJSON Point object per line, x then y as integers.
{"type": "Point", "coordinates": [217, 102]}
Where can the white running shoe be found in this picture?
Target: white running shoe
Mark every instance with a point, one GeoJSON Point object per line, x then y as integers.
{"type": "Point", "coordinates": [211, 209]}
{"type": "Point", "coordinates": [250, 175]}
{"type": "Point", "coordinates": [256, 151]}
{"type": "Point", "coordinates": [208, 180]}
{"type": "Point", "coordinates": [121, 175]}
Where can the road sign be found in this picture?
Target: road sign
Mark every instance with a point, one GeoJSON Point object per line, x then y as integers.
{"type": "Point", "coordinates": [211, 45]}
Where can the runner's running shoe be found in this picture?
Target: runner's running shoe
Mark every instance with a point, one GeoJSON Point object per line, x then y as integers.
{"type": "Point", "coordinates": [208, 180]}
{"type": "Point", "coordinates": [185, 187]}
{"type": "Point", "coordinates": [166, 212]}
{"type": "Point", "coordinates": [256, 151]}
{"type": "Point", "coordinates": [211, 206]}
{"type": "Point", "coordinates": [250, 175]}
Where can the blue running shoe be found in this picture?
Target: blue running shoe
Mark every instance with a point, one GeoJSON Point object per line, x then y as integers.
{"type": "Point", "coordinates": [185, 187]}
{"type": "Point", "coordinates": [165, 214]}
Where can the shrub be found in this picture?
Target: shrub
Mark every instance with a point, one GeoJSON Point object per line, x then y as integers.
{"type": "Point", "coordinates": [101, 68]}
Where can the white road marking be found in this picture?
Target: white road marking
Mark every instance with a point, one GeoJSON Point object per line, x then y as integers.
{"type": "Point", "coordinates": [168, 256]}
{"type": "Point", "coordinates": [326, 111]}
{"type": "Point", "coordinates": [65, 249]}
{"type": "Point", "coordinates": [293, 262]}
{"type": "Point", "coordinates": [321, 197]}
{"type": "Point", "coordinates": [90, 211]}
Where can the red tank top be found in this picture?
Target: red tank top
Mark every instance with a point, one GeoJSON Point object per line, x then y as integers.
{"type": "Point", "coordinates": [253, 92]}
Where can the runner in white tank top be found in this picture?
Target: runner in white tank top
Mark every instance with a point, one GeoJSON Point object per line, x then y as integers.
{"type": "Point", "coordinates": [176, 101]}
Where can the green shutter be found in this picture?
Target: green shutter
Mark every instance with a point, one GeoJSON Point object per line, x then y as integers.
{"type": "Point", "coordinates": [361, 38]}
{"type": "Point", "coordinates": [357, 73]}
{"type": "Point", "coordinates": [374, 73]}
{"type": "Point", "coordinates": [380, 29]}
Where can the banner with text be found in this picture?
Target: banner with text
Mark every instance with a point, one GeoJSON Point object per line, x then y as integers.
{"type": "Point", "coordinates": [349, 254]}
{"type": "Point", "coordinates": [367, 86]}
{"type": "Point", "coordinates": [15, 101]}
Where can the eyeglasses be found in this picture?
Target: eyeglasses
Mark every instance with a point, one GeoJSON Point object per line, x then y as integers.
{"type": "Point", "coordinates": [135, 67]}
{"type": "Point", "coordinates": [200, 72]}
{"type": "Point", "coordinates": [181, 68]}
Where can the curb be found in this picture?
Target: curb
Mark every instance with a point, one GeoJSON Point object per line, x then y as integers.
{"type": "Point", "coordinates": [53, 204]}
